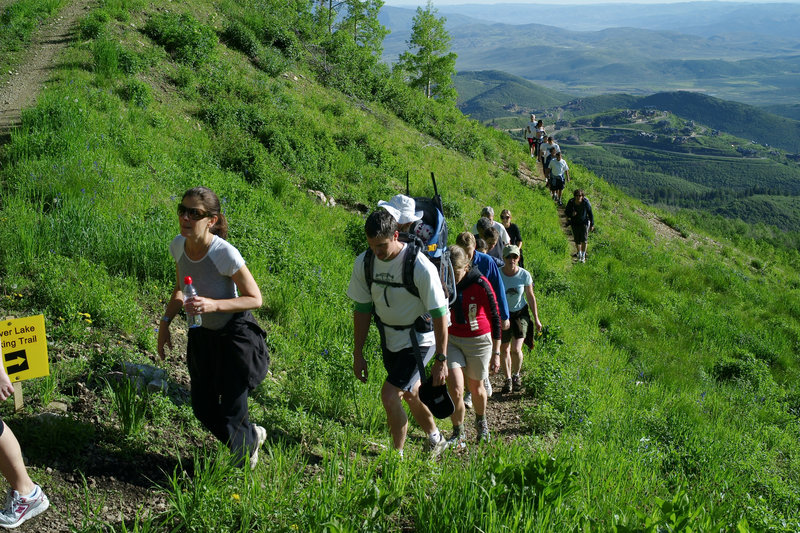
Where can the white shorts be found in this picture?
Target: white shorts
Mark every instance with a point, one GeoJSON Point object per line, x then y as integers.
{"type": "Point", "coordinates": [471, 353]}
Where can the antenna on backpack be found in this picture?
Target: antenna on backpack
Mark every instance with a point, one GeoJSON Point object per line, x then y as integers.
{"type": "Point", "coordinates": [408, 190]}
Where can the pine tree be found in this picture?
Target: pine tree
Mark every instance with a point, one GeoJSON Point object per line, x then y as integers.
{"type": "Point", "coordinates": [432, 66]}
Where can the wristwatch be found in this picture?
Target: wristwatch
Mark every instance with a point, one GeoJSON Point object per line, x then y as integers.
{"type": "Point", "coordinates": [441, 357]}
{"type": "Point", "coordinates": [497, 353]}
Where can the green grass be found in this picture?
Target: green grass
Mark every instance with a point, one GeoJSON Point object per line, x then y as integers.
{"type": "Point", "coordinates": [666, 389]}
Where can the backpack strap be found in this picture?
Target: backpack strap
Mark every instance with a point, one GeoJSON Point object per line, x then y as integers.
{"type": "Point", "coordinates": [408, 268]}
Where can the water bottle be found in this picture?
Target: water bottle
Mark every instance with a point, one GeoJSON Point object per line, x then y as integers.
{"type": "Point", "coordinates": [193, 321]}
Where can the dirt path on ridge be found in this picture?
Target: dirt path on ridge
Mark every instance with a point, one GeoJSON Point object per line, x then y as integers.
{"type": "Point", "coordinates": [25, 82]}
{"type": "Point", "coordinates": [534, 178]}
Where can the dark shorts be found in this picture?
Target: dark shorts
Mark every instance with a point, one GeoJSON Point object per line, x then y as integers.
{"type": "Point", "coordinates": [519, 327]}
{"type": "Point", "coordinates": [401, 367]}
{"type": "Point", "coordinates": [580, 232]}
{"type": "Point", "coordinates": [557, 183]}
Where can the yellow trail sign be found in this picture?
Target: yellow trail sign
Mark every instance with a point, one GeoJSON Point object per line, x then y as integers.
{"type": "Point", "coordinates": [24, 348]}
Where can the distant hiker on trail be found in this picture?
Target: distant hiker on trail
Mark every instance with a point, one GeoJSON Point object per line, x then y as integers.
{"type": "Point", "coordinates": [473, 343]}
{"type": "Point", "coordinates": [579, 214]}
{"type": "Point", "coordinates": [530, 134]}
{"type": "Point", "coordinates": [488, 267]}
{"type": "Point", "coordinates": [544, 151]}
{"type": "Point", "coordinates": [546, 168]}
{"type": "Point", "coordinates": [540, 137]}
{"type": "Point", "coordinates": [519, 289]}
{"type": "Point", "coordinates": [409, 324]}
{"type": "Point", "coordinates": [488, 212]}
{"type": "Point", "coordinates": [559, 175]}
{"type": "Point", "coordinates": [24, 499]}
{"type": "Point", "coordinates": [402, 208]}
{"type": "Point", "coordinates": [493, 246]}
{"type": "Point", "coordinates": [226, 355]}
{"type": "Point", "coordinates": [514, 235]}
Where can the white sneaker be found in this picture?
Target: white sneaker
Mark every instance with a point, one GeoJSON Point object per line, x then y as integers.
{"type": "Point", "coordinates": [468, 400]}
{"type": "Point", "coordinates": [261, 435]}
{"type": "Point", "coordinates": [20, 508]}
{"type": "Point", "coordinates": [488, 386]}
{"type": "Point", "coordinates": [436, 449]}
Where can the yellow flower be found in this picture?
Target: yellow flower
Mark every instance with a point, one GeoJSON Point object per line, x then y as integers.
{"type": "Point", "coordinates": [235, 496]}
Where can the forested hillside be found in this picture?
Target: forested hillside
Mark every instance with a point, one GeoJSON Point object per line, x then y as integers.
{"type": "Point", "coordinates": [663, 395]}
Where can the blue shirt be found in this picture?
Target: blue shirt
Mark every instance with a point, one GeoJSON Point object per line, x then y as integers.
{"type": "Point", "coordinates": [488, 267]}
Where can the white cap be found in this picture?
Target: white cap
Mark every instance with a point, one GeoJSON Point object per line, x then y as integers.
{"type": "Point", "coordinates": [401, 207]}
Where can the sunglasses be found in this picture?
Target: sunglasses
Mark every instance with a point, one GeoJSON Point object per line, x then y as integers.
{"type": "Point", "coordinates": [506, 217]}
{"type": "Point", "coordinates": [192, 212]}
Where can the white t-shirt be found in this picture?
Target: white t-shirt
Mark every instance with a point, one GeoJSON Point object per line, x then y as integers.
{"type": "Point", "coordinates": [515, 288]}
{"type": "Point", "coordinates": [558, 168]}
{"type": "Point", "coordinates": [211, 275]}
{"type": "Point", "coordinates": [530, 132]}
{"type": "Point", "coordinates": [395, 305]}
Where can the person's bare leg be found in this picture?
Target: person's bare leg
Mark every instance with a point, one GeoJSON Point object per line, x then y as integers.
{"type": "Point", "coordinates": [395, 414]}
{"type": "Point", "coordinates": [479, 398]}
{"type": "Point", "coordinates": [11, 463]}
{"type": "Point", "coordinates": [516, 355]}
{"type": "Point", "coordinates": [419, 411]}
{"type": "Point", "coordinates": [455, 385]}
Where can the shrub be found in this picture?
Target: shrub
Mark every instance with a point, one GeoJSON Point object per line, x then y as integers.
{"type": "Point", "coordinates": [182, 36]}
{"type": "Point", "coordinates": [240, 37]}
{"type": "Point", "coordinates": [92, 25]}
{"type": "Point", "coordinates": [136, 92]}
{"type": "Point", "coordinates": [129, 62]}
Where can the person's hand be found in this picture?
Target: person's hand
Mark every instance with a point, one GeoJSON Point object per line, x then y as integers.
{"type": "Point", "coordinates": [494, 366]}
{"type": "Point", "coordinates": [538, 325]}
{"type": "Point", "coordinates": [6, 388]}
{"type": "Point", "coordinates": [439, 373]}
{"type": "Point", "coordinates": [591, 228]}
{"type": "Point", "coordinates": [164, 339]}
{"type": "Point", "coordinates": [506, 324]}
{"type": "Point", "coordinates": [197, 305]}
{"type": "Point", "coordinates": [360, 368]}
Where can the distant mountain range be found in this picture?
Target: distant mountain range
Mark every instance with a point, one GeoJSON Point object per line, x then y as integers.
{"type": "Point", "coordinates": [743, 52]}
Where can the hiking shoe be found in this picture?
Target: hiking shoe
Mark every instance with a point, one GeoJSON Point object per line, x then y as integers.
{"type": "Point", "coordinates": [516, 382]}
{"type": "Point", "coordinates": [507, 386]}
{"type": "Point", "coordinates": [436, 449]}
{"type": "Point", "coordinates": [482, 428]}
{"type": "Point", "coordinates": [458, 441]}
{"type": "Point", "coordinates": [488, 386]}
{"type": "Point", "coordinates": [468, 400]}
{"type": "Point", "coordinates": [20, 508]}
{"type": "Point", "coordinates": [261, 435]}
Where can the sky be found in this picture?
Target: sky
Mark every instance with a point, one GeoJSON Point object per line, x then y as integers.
{"type": "Point", "coordinates": [407, 3]}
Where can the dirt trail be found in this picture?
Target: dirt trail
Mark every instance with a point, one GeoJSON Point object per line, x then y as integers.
{"type": "Point", "coordinates": [534, 178]}
{"type": "Point", "coordinates": [22, 88]}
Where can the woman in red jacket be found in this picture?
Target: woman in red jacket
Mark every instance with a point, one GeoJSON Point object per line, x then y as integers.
{"type": "Point", "coordinates": [473, 342]}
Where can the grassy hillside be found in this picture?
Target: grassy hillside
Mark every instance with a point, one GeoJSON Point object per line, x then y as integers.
{"type": "Point", "coordinates": [665, 393]}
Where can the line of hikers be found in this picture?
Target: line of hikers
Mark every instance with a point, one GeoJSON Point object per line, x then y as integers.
{"type": "Point", "coordinates": [478, 331]}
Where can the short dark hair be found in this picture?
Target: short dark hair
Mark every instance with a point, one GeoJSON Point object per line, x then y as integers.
{"type": "Point", "coordinates": [491, 234]}
{"type": "Point", "coordinates": [482, 225]}
{"type": "Point", "coordinates": [380, 223]}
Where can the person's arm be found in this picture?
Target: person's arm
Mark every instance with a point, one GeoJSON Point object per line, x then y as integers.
{"type": "Point", "coordinates": [531, 298]}
{"type": "Point", "coordinates": [361, 321]}
{"type": "Point", "coordinates": [439, 370]}
{"type": "Point", "coordinates": [589, 214]}
{"type": "Point", "coordinates": [494, 317]}
{"type": "Point", "coordinates": [249, 297]}
{"type": "Point", "coordinates": [173, 308]}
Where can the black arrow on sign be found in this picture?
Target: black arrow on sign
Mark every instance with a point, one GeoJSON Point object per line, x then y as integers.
{"type": "Point", "coordinates": [15, 357]}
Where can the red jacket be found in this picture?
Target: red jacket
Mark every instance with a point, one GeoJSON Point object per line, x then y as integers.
{"type": "Point", "coordinates": [475, 311]}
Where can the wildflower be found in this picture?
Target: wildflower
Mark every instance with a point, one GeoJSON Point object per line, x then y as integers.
{"type": "Point", "coordinates": [87, 320]}
{"type": "Point", "coordinates": [235, 496]}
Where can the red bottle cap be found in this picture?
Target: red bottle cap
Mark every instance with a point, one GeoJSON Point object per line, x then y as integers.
{"type": "Point", "coordinates": [187, 280]}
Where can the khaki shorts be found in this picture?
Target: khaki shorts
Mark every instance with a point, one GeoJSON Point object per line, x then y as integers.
{"type": "Point", "coordinates": [470, 353]}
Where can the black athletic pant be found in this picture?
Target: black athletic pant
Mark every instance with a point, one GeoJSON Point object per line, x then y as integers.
{"type": "Point", "coordinates": [219, 390]}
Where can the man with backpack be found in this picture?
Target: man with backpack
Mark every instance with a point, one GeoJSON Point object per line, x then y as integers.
{"type": "Point", "coordinates": [580, 216]}
{"type": "Point", "coordinates": [397, 284]}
